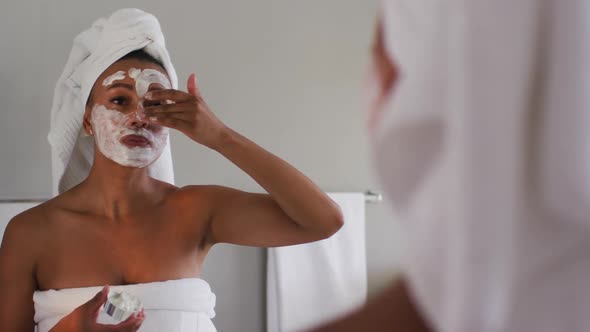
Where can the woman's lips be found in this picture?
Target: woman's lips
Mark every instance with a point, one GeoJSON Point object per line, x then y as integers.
{"type": "Point", "coordinates": [133, 141]}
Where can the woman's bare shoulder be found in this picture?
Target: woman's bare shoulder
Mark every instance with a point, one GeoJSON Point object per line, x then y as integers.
{"type": "Point", "coordinates": [22, 231]}
{"type": "Point", "coordinates": [34, 223]}
{"type": "Point", "coordinates": [196, 193]}
{"type": "Point", "coordinates": [193, 201]}
{"type": "Point", "coordinates": [27, 225]}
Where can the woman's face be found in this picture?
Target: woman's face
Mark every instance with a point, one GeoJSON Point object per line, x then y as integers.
{"type": "Point", "coordinates": [115, 113]}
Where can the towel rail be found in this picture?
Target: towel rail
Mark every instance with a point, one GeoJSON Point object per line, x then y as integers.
{"type": "Point", "coordinates": [373, 197]}
{"type": "Point", "coordinates": [22, 200]}
{"type": "Point", "coordinates": [370, 197]}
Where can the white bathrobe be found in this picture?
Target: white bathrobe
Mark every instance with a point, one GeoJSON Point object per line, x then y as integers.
{"type": "Point", "coordinates": [483, 149]}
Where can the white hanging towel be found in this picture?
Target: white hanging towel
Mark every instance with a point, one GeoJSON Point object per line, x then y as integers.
{"type": "Point", "coordinates": [312, 283]}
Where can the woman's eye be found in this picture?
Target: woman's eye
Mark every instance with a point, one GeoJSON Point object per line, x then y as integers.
{"type": "Point", "coordinates": [118, 100]}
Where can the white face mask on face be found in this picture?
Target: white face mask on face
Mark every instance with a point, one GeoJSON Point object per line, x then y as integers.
{"type": "Point", "coordinates": [125, 145]}
{"type": "Point", "coordinates": [119, 137]}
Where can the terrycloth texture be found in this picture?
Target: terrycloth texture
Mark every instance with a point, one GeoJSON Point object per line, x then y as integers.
{"type": "Point", "coordinates": [484, 153]}
{"type": "Point", "coordinates": [311, 283]}
{"type": "Point", "coordinates": [180, 305]}
{"type": "Point", "coordinates": [94, 50]}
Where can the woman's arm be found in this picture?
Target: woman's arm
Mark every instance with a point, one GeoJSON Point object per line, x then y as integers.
{"type": "Point", "coordinates": [296, 210]}
{"type": "Point", "coordinates": [17, 279]}
{"type": "Point", "coordinates": [391, 310]}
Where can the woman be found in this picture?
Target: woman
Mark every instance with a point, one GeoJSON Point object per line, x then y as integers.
{"type": "Point", "coordinates": [120, 226]}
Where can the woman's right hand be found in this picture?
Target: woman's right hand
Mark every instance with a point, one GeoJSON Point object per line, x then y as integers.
{"type": "Point", "coordinates": [83, 318]}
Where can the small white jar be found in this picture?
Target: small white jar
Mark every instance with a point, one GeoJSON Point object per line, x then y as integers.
{"type": "Point", "coordinates": [121, 305]}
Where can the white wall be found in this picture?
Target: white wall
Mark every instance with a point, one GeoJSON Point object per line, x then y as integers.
{"type": "Point", "coordinates": [288, 74]}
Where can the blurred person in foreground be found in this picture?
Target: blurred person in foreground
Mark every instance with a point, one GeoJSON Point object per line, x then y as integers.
{"type": "Point", "coordinates": [480, 129]}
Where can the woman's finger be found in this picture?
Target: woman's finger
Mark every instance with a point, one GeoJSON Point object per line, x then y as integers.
{"type": "Point", "coordinates": [171, 122]}
{"type": "Point", "coordinates": [192, 87]}
{"type": "Point", "coordinates": [132, 318]}
{"type": "Point", "coordinates": [169, 94]}
{"type": "Point", "coordinates": [179, 107]}
{"type": "Point", "coordinates": [184, 116]}
{"type": "Point", "coordinates": [94, 304]}
{"type": "Point", "coordinates": [130, 324]}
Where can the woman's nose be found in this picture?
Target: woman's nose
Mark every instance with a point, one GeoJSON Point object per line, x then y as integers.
{"type": "Point", "coordinates": [137, 118]}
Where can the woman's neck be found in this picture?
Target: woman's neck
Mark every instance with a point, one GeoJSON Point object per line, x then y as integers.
{"type": "Point", "coordinates": [120, 190]}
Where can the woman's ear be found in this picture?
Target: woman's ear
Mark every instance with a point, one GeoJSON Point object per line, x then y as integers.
{"type": "Point", "coordinates": [86, 122]}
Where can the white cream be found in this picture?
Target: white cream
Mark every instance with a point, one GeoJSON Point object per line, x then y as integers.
{"type": "Point", "coordinates": [145, 78]}
{"type": "Point", "coordinates": [121, 305]}
{"type": "Point", "coordinates": [110, 126]}
{"type": "Point", "coordinates": [124, 301]}
{"type": "Point", "coordinates": [120, 75]}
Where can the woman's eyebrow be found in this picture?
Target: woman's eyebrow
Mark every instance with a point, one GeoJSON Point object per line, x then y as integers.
{"type": "Point", "coordinates": [120, 85]}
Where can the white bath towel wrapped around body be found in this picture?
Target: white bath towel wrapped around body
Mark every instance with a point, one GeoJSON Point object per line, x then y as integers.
{"type": "Point", "coordinates": [180, 305]}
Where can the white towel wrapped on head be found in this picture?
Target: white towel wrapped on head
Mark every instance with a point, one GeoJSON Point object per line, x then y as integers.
{"type": "Point", "coordinates": [94, 50]}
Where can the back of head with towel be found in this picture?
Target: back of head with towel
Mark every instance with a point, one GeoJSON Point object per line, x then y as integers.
{"type": "Point", "coordinates": [480, 124]}
{"type": "Point", "coordinates": [118, 219]}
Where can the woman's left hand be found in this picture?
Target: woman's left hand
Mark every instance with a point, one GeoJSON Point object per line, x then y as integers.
{"type": "Point", "coordinates": [187, 113]}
